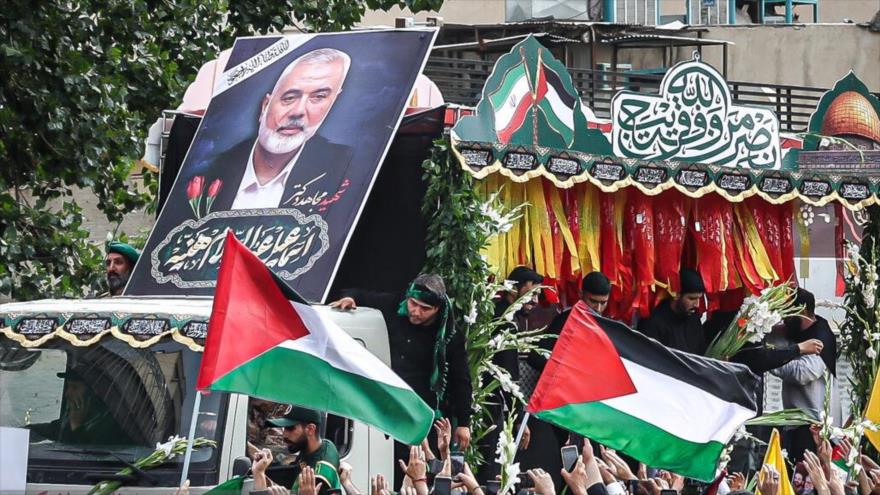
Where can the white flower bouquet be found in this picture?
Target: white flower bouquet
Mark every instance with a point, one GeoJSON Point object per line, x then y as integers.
{"type": "Point", "coordinates": [164, 452]}
{"type": "Point", "coordinates": [755, 320]}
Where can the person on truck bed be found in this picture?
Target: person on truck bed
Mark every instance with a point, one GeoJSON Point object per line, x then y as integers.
{"type": "Point", "coordinates": [426, 350]}
{"type": "Point", "coordinates": [119, 262]}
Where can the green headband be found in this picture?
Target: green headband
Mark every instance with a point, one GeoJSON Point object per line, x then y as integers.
{"type": "Point", "coordinates": [421, 293]}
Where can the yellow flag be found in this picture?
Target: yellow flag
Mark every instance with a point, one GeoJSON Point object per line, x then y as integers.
{"type": "Point", "coordinates": [775, 458]}
{"type": "Point", "coordinates": [872, 413]}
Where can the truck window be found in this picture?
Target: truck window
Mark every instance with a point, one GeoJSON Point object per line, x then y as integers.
{"type": "Point", "coordinates": [337, 429]}
{"type": "Point", "coordinates": [103, 405]}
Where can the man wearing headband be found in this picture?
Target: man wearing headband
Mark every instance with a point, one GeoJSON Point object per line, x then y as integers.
{"type": "Point", "coordinates": [426, 350]}
{"type": "Point", "coordinates": [119, 262]}
{"type": "Point", "coordinates": [675, 322]}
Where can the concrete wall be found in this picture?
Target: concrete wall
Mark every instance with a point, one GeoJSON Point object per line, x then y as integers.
{"type": "Point", "coordinates": [803, 55]}
{"type": "Point", "coordinates": [493, 11]}
{"type": "Point", "coordinates": [136, 223]}
{"type": "Point", "coordinates": [454, 11]}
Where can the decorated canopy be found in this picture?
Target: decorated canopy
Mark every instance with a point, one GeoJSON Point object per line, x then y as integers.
{"type": "Point", "coordinates": [684, 177]}
{"type": "Point", "coordinates": [531, 123]}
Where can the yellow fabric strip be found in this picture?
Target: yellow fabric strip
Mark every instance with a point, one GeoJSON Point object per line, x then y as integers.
{"type": "Point", "coordinates": [542, 239]}
{"type": "Point", "coordinates": [562, 220]}
{"type": "Point", "coordinates": [755, 245]}
{"type": "Point", "coordinates": [588, 225]}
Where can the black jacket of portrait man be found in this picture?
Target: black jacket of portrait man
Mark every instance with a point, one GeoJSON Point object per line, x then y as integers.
{"type": "Point", "coordinates": [316, 177]}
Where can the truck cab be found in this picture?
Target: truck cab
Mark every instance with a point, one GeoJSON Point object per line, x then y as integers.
{"type": "Point", "coordinates": [99, 382]}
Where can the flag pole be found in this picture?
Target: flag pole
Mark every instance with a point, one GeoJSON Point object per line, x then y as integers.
{"type": "Point", "coordinates": [522, 430]}
{"type": "Point", "coordinates": [189, 439]}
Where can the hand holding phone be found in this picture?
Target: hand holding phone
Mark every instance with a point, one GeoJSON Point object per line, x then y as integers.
{"type": "Point", "coordinates": [570, 456]}
{"type": "Point", "coordinates": [442, 485]}
{"type": "Point", "coordinates": [457, 460]}
{"type": "Point", "coordinates": [525, 481]}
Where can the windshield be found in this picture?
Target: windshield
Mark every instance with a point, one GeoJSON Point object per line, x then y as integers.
{"type": "Point", "coordinates": [103, 405]}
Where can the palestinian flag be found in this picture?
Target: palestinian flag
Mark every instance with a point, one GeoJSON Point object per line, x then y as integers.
{"type": "Point", "coordinates": [555, 102]}
{"type": "Point", "coordinates": [511, 102]}
{"type": "Point", "coordinates": [666, 408]}
{"type": "Point", "coordinates": [266, 341]}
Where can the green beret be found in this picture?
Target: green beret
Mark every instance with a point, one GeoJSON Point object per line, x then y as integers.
{"type": "Point", "coordinates": [130, 253]}
{"type": "Point", "coordinates": [296, 416]}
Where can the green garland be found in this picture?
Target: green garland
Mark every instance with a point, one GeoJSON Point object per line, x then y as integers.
{"type": "Point", "coordinates": [458, 229]}
{"type": "Point", "coordinates": [860, 331]}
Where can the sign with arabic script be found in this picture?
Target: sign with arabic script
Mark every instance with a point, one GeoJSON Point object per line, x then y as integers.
{"type": "Point", "coordinates": [693, 119]}
{"type": "Point", "coordinates": [285, 156]}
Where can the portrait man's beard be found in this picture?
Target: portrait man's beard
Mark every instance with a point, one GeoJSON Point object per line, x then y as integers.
{"type": "Point", "coordinates": [117, 281]}
{"type": "Point", "coordinates": [276, 143]}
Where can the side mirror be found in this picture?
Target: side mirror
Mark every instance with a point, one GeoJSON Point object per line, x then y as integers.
{"type": "Point", "coordinates": [241, 466]}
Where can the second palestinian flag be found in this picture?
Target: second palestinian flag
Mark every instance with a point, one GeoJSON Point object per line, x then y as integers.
{"type": "Point", "coordinates": [669, 409]}
{"type": "Point", "coordinates": [264, 340]}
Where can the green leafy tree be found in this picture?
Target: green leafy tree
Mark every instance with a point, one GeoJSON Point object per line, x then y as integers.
{"type": "Point", "coordinates": [82, 81]}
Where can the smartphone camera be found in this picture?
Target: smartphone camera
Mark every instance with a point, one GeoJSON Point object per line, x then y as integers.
{"type": "Point", "coordinates": [569, 455]}
{"type": "Point", "coordinates": [525, 481]}
{"type": "Point", "coordinates": [442, 485]}
{"type": "Point", "coordinates": [457, 460]}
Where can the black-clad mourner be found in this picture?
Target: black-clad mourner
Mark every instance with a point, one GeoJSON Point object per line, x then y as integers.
{"type": "Point", "coordinates": [426, 350]}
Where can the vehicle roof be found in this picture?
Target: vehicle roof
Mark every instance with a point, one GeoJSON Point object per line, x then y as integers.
{"type": "Point", "coordinates": [193, 306]}
{"type": "Point", "coordinates": [182, 318]}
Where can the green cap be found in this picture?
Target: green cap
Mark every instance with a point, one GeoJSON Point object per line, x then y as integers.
{"type": "Point", "coordinates": [296, 416]}
{"type": "Point", "coordinates": [130, 253]}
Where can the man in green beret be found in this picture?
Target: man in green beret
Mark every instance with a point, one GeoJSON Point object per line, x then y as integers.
{"type": "Point", "coordinates": [120, 260]}
{"type": "Point", "coordinates": [302, 432]}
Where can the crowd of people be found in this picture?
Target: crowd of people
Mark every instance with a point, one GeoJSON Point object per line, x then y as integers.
{"type": "Point", "coordinates": [434, 469]}
{"type": "Point", "coordinates": [429, 353]}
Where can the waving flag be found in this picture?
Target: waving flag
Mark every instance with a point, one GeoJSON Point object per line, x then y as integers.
{"type": "Point", "coordinates": [555, 102]}
{"type": "Point", "coordinates": [266, 341]}
{"type": "Point", "coordinates": [666, 408]}
{"type": "Point", "coordinates": [511, 102]}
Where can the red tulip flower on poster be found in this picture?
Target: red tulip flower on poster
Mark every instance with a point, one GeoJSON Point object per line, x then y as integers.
{"type": "Point", "coordinates": [194, 193]}
{"type": "Point", "coordinates": [213, 189]}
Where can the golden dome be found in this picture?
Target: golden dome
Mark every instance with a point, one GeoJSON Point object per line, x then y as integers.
{"type": "Point", "coordinates": [851, 113]}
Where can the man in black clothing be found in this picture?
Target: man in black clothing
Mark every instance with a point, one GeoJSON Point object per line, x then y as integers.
{"type": "Point", "coordinates": [524, 280]}
{"type": "Point", "coordinates": [675, 322]}
{"type": "Point", "coordinates": [426, 350]}
{"type": "Point", "coordinates": [595, 292]}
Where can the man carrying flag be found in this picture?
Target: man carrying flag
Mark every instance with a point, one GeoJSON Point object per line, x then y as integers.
{"type": "Point", "coordinates": [261, 330]}
{"type": "Point", "coordinates": [669, 409]}
{"type": "Point", "coordinates": [426, 350]}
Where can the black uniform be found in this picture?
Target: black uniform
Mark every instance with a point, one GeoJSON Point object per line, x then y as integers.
{"type": "Point", "coordinates": [682, 332]}
{"type": "Point", "coordinates": [412, 356]}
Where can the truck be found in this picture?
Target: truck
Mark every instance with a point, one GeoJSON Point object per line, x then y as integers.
{"type": "Point", "coordinates": [130, 365]}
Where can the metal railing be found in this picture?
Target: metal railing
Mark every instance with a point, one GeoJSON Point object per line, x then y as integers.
{"type": "Point", "coordinates": [461, 81]}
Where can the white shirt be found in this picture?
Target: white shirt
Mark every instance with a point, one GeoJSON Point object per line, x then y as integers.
{"type": "Point", "coordinates": [252, 194]}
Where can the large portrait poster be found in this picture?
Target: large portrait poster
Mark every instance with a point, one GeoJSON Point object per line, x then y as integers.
{"type": "Point", "coordinates": [285, 156]}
